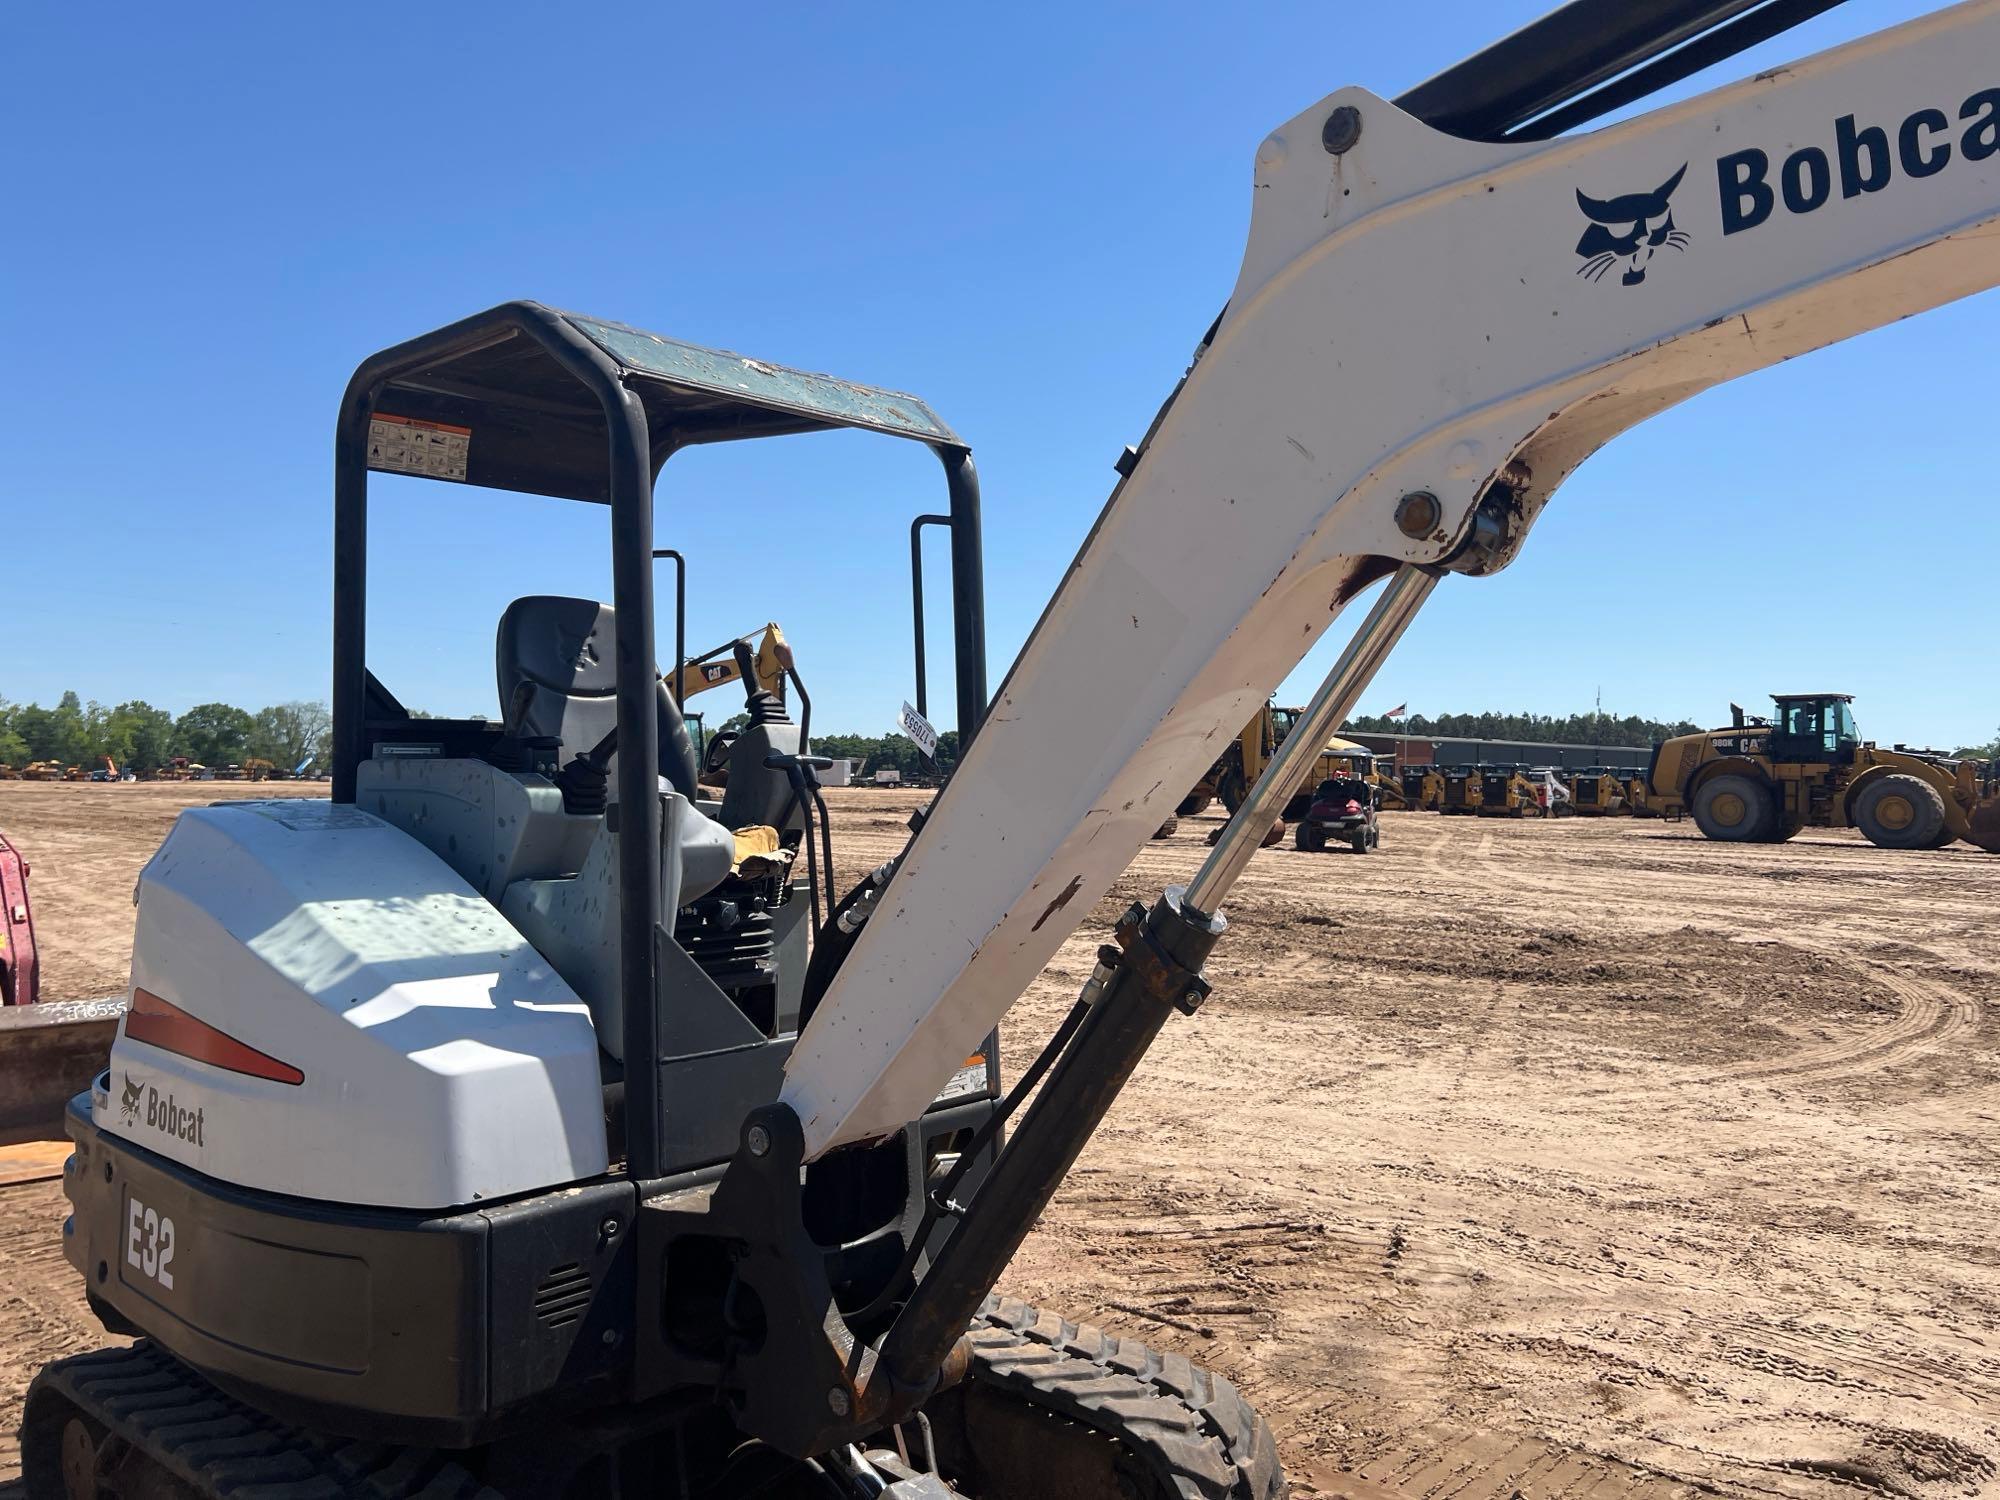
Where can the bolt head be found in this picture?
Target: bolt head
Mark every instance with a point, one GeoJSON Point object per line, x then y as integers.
{"type": "Point", "coordinates": [758, 1140]}
{"type": "Point", "coordinates": [1418, 513]}
{"type": "Point", "coordinates": [609, 1228]}
{"type": "Point", "coordinates": [1341, 130]}
{"type": "Point", "coordinates": [837, 1402]}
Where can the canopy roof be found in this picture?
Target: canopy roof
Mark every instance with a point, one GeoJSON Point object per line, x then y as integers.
{"type": "Point", "coordinates": [505, 410]}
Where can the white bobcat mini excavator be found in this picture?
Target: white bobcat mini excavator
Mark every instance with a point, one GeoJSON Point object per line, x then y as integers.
{"type": "Point", "coordinates": [509, 1123]}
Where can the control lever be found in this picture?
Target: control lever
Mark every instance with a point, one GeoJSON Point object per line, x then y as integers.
{"type": "Point", "coordinates": [802, 771]}
{"type": "Point", "coordinates": [585, 781]}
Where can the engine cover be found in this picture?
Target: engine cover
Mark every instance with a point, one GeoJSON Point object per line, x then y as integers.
{"type": "Point", "coordinates": [321, 1007]}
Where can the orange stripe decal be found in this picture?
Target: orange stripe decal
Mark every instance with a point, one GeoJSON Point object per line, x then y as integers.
{"type": "Point", "coordinates": [156, 1023]}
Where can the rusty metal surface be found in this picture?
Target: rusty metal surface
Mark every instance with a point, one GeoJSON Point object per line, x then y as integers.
{"type": "Point", "coordinates": [49, 1052]}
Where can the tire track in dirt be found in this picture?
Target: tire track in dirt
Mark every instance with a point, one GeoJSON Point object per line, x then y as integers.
{"type": "Point", "coordinates": [1869, 1361]}
{"type": "Point", "coordinates": [1438, 1462]}
{"type": "Point", "coordinates": [1930, 1014]}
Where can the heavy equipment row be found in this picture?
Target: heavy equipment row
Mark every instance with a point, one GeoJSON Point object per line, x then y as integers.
{"type": "Point", "coordinates": [1760, 780]}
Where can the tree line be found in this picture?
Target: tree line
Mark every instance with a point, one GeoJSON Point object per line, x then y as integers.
{"type": "Point", "coordinates": [884, 752]}
{"type": "Point", "coordinates": [1546, 729]}
{"type": "Point", "coordinates": [142, 738]}
{"type": "Point", "coordinates": [1988, 751]}
{"type": "Point", "coordinates": [881, 752]}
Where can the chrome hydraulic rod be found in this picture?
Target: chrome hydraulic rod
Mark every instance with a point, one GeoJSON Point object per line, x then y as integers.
{"type": "Point", "coordinates": [1157, 973]}
{"type": "Point", "coordinates": [1407, 589]}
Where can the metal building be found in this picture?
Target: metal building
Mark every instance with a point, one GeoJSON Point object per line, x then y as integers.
{"type": "Point", "coordinates": [1423, 750]}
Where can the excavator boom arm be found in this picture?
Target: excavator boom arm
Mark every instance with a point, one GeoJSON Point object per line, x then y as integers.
{"type": "Point", "coordinates": [769, 657]}
{"type": "Point", "coordinates": [1427, 335]}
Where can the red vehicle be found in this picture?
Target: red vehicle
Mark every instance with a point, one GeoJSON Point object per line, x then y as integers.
{"type": "Point", "coordinates": [1343, 808]}
{"type": "Point", "coordinates": [20, 969]}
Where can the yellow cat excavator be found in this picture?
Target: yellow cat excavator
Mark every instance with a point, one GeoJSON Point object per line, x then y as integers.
{"type": "Point", "coordinates": [764, 659]}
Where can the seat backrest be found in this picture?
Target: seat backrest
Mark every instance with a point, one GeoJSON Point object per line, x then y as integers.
{"type": "Point", "coordinates": [557, 663]}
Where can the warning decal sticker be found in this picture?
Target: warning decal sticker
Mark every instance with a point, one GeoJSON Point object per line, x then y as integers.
{"type": "Point", "coordinates": [403, 445]}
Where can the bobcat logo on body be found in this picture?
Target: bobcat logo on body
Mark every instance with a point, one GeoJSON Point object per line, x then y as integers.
{"type": "Point", "coordinates": [1628, 229]}
{"type": "Point", "coordinates": [128, 1103]}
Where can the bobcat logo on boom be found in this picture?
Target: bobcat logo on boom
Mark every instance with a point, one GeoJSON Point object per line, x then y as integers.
{"type": "Point", "coordinates": [128, 1103]}
{"type": "Point", "coordinates": [1629, 229]}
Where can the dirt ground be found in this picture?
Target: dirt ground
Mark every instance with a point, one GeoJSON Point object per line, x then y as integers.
{"type": "Point", "coordinates": [1517, 1159]}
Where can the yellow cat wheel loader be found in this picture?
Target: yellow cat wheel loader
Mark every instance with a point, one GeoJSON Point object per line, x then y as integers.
{"type": "Point", "coordinates": [521, 1121]}
{"type": "Point", "coordinates": [1762, 780]}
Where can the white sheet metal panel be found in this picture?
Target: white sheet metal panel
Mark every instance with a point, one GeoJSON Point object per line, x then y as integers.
{"type": "Point", "coordinates": [1411, 315]}
{"type": "Point", "coordinates": [445, 1063]}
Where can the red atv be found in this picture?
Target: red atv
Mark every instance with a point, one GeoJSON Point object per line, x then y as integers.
{"type": "Point", "coordinates": [1342, 808]}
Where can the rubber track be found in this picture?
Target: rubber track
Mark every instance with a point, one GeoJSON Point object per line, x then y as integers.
{"type": "Point", "coordinates": [1189, 1426]}
{"type": "Point", "coordinates": [220, 1448]}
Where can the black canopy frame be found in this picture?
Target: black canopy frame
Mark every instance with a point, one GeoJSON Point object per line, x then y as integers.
{"type": "Point", "coordinates": [576, 408]}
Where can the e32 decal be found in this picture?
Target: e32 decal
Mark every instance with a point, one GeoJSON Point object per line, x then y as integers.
{"type": "Point", "coordinates": [149, 1243]}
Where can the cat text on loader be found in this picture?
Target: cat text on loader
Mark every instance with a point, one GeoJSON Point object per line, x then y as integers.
{"type": "Point", "coordinates": [1762, 780]}
{"type": "Point", "coordinates": [511, 1123]}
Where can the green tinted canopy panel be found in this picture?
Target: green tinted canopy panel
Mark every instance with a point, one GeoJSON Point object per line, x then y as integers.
{"type": "Point", "coordinates": [504, 409]}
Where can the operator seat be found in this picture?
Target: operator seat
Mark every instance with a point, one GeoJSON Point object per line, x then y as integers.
{"type": "Point", "coordinates": [557, 661]}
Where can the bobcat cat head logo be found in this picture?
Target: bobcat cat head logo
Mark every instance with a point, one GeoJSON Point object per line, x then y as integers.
{"type": "Point", "coordinates": [128, 1103]}
{"type": "Point", "coordinates": [579, 653]}
{"type": "Point", "coordinates": [1628, 229]}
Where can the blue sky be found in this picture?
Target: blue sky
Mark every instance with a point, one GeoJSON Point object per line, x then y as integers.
{"type": "Point", "coordinates": [1026, 214]}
